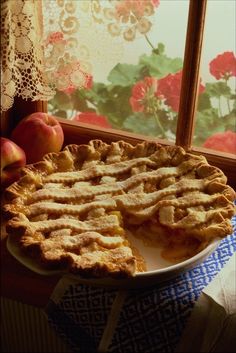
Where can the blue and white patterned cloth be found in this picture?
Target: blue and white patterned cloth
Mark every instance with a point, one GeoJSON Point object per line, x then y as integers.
{"type": "Point", "coordinates": [149, 320]}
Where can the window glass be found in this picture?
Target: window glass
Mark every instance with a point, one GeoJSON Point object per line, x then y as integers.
{"type": "Point", "coordinates": [135, 51]}
{"type": "Point", "coordinates": [216, 110]}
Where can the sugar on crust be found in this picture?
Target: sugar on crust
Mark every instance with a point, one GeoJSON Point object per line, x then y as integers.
{"type": "Point", "coordinates": [73, 210]}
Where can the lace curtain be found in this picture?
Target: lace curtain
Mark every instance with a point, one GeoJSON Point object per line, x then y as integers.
{"type": "Point", "coordinates": [45, 46]}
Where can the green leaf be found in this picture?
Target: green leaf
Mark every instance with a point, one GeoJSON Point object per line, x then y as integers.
{"type": "Point", "coordinates": [207, 124]}
{"type": "Point", "coordinates": [144, 72]}
{"type": "Point", "coordinates": [160, 65]}
{"type": "Point", "coordinates": [141, 124]}
{"type": "Point", "coordinates": [160, 49]}
{"type": "Point", "coordinates": [204, 102]}
{"type": "Point", "coordinates": [116, 106]}
{"type": "Point", "coordinates": [124, 74]}
{"type": "Point", "coordinates": [234, 105]}
{"type": "Point", "coordinates": [98, 93]}
{"type": "Point", "coordinates": [218, 89]}
{"type": "Point", "coordinates": [168, 121]}
{"type": "Point", "coordinates": [115, 120]}
{"type": "Point", "coordinates": [230, 121]}
{"type": "Point", "coordinates": [61, 114]}
{"type": "Point", "coordinates": [63, 100]}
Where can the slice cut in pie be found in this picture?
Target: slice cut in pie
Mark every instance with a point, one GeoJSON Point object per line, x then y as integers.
{"type": "Point", "coordinates": [74, 210]}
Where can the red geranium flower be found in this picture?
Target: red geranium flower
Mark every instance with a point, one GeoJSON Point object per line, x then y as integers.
{"type": "Point", "coordinates": [155, 3]}
{"type": "Point", "coordinates": [222, 141]}
{"type": "Point", "coordinates": [223, 66]}
{"type": "Point", "coordinates": [88, 83]}
{"type": "Point", "coordinates": [127, 8]}
{"type": "Point", "coordinates": [55, 37]}
{"type": "Point", "coordinates": [69, 90]}
{"type": "Point", "coordinates": [169, 89]}
{"type": "Point", "coordinates": [141, 92]}
{"type": "Point", "coordinates": [92, 118]}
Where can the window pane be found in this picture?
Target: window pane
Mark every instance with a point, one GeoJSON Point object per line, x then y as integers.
{"type": "Point", "coordinates": [135, 51]}
{"type": "Point", "coordinates": [215, 116]}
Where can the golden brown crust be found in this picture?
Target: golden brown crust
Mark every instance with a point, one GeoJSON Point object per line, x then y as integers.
{"type": "Point", "coordinates": [68, 210]}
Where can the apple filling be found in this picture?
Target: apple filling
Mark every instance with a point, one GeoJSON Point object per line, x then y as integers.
{"type": "Point", "coordinates": [74, 209]}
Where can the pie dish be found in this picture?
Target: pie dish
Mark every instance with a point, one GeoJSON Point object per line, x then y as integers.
{"type": "Point", "coordinates": [77, 210]}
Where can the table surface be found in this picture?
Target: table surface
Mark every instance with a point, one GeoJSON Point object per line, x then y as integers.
{"type": "Point", "coordinates": [21, 284]}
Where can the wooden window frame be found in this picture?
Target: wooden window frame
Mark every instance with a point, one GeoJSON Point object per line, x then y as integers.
{"type": "Point", "coordinates": [82, 133]}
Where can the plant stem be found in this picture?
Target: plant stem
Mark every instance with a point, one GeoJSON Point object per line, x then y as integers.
{"type": "Point", "coordinates": [146, 37]}
{"type": "Point", "coordinates": [227, 99]}
{"type": "Point", "coordinates": [159, 125]}
{"type": "Point", "coordinates": [220, 110]}
{"type": "Point", "coordinates": [228, 105]}
{"type": "Point", "coordinates": [149, 42]}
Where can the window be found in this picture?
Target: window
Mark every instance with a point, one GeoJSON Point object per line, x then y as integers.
{"type": "Point", "coordinates": [183, 131]}
{"type": "Point", "coordinates": [216, 113]}
{"type": "Point", "coordinates": [136, 67]}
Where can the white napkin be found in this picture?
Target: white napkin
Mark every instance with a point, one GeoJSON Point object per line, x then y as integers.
{"type": "Point", "coordinates": [212, 324]}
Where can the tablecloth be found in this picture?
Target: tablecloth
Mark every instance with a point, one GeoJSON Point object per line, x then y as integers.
{"type": "Point", "coordinates": [94, 319]}
{"type": "Point", "coordinates": [212, 323]}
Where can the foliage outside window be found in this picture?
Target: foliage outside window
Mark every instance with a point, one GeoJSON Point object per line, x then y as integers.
{"type": "Point", "coordinates": [144, 97]}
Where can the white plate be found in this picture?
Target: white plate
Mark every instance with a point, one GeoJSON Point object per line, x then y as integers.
{"type": "Point", "coordinates": [158, 269]}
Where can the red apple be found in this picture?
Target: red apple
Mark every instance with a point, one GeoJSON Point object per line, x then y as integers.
{"type": "Point", "coordinates": [38, 134]}
{"type": "Point", "coordinates": [12, 159]}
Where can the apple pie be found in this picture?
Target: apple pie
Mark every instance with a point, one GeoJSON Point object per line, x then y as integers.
{"type": "Point", "coordinates": [75, 209]}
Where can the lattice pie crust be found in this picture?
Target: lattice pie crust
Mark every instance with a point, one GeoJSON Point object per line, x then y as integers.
{"type": "Point", "coordinates": [74, 210]}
